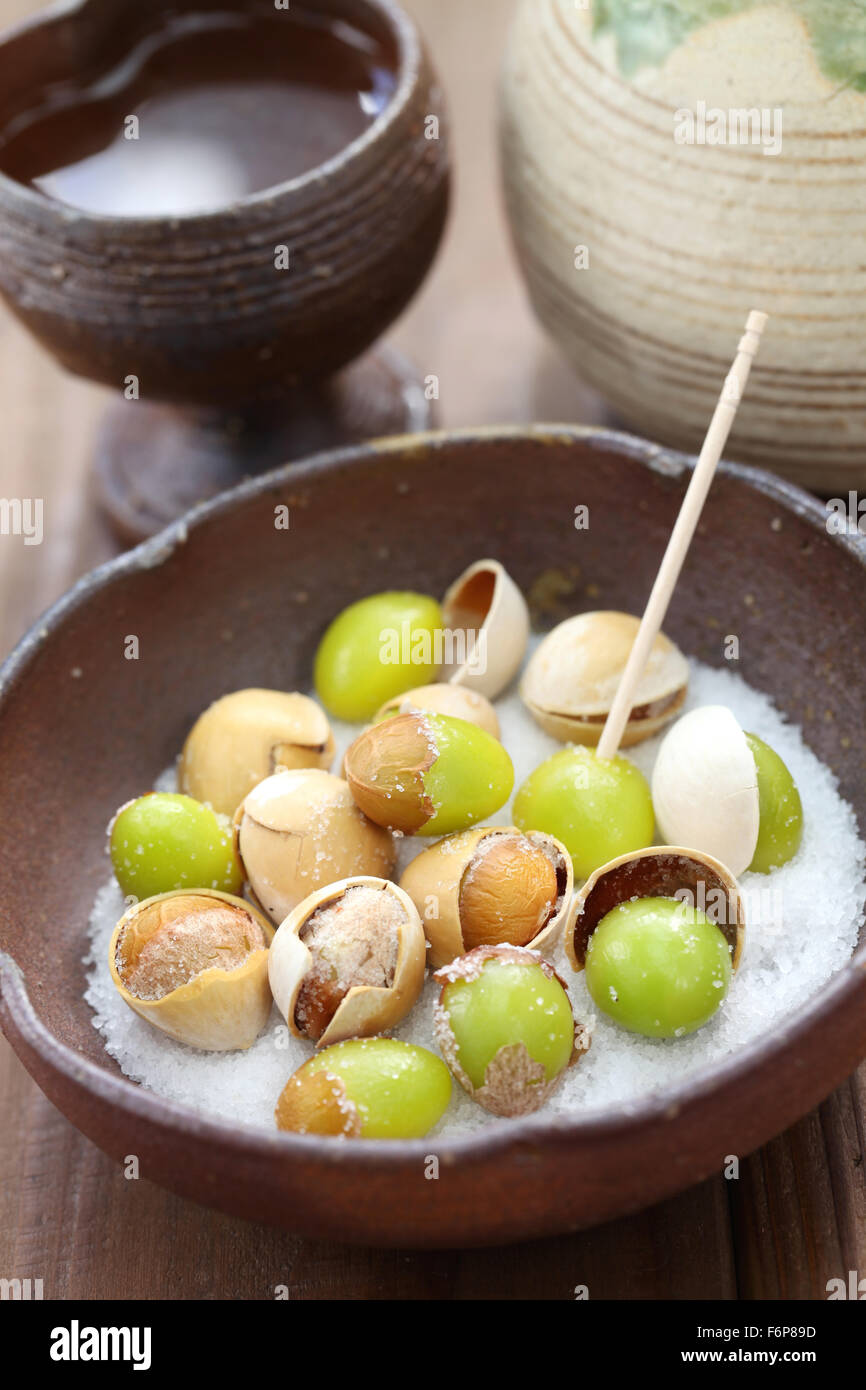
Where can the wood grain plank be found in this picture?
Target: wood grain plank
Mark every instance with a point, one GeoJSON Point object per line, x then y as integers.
{"type": "Point", "coordinates": [799, 1209]}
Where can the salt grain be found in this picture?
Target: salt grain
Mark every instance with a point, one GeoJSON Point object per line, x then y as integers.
{"type": "Point", "coordinates": [803, 923]}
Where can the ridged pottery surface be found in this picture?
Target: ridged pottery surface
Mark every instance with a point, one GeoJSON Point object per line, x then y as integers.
{"type": "Point", "coordinates": [682, 239]}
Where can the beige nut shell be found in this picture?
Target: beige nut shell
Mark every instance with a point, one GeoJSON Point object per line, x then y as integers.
{"type": "Point", "coordinates": [443, 698]}
{"type": "Point", "coordinates": [246, 736]}
{"type": "Point", "coordinates": [366, 1010]}
{"type": "Point", "coordinates": [705, 786]}
{"type": "Point", "coordinates": [299, 831]}
{"type": "Point", "coordinates": [217, 1010]}
{"type": "Point", "coordinates": [658, 872]}
{"type": "Point", "coordinates": [486, 600]}
{"type": "Point", "coordinates": [572, 677]}
{"type": "Point", "coordinates": [436, 876]}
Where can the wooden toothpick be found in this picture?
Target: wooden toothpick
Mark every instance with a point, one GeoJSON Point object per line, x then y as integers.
{"type": "Point", "coordinates": [681, 536]}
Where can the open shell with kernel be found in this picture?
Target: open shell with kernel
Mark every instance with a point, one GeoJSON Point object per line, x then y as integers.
{"type": "Point", "coordinates": [485, 607]}
{"type": "Point", "coordinates": [662, 871]}
{"type": "Point", "coordinates": [349, 961]}
{"type": "Point", "coordinates": [570, 682]}
{"type": "Point", "coordinates": [298, 831]}
{"type": "Point", "coordinates": [195, 965]}
{"type": "Point", "coordinates": [490, 885]}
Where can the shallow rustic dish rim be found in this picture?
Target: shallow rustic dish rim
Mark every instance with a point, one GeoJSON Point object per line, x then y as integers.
{"type": "Point", "coordinates": [142, 1104]}
{"type": "Point", "coordinates": [408, 49]}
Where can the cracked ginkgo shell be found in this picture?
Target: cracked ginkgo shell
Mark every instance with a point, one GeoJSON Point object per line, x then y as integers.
{"type": "Point", "coordinates": [705, 787]}
{"type": "Point", "coordinates": [217, 1010]}
{"type": "Point", "coordinates": [435, 878]}
{"type": "Point", "coordinates": [661, 871]}
{"type": "Point", "coordinates": [299, 831]}
{"type": "Point", "coordinates": [486, 608]}
{"type": "Point", "coordinates": [444, 698]}
{"type": "Point", "coordinates": [365, 1010]}
{"type": "Point", "coordinates": [246, 736]}
{"type": "Point", "coordinates": [570, 682]}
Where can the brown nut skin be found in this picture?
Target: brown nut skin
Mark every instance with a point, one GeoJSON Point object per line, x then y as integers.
{"type": "Point", "coordinates": [442, 698]}
{"type": "Point", "coordinates": [385, 769]}
{"type": "Point", "coordinates": [658, 872]}
{"type": "Point", "coordinates": [217, 1010]}
{"type": "Point", "coordinates": [317, 1105]}
{"type": "Point", "coordinates": [365, 1011]}
{"type": "Point", "coordinates": [570, 681]}
{"type": "Point", "coordinates": [245, 737]}
{"type": "Point", "coordinates": [299, 831]}
{"type": "Point", "coordinates": [435, 878]}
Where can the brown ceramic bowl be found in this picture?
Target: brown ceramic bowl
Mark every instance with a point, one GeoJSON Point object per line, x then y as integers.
{"type": "Point", "coordinates": [193, 305]}
{"type": "Point", "coordinates": [227, 600]}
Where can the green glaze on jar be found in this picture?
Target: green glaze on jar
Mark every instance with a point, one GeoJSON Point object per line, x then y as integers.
{"type": "Point", "coordinates": [647, 31]}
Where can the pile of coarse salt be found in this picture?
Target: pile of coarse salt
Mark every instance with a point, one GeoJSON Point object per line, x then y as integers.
{"type": "Point", "coordinates": [802, 926]}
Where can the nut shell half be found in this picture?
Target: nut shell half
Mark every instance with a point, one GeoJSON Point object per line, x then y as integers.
{"type": "Point", "coordinates": [218, 1010]}
{"type": "Point", "coordinates": [245, 737]}
{"type": "Point", "coordinates": [299, 831]}
{"type": "Point", "coordinates": [705, 786]}
{"type": "Point", "coordinates": [661, 871]}
{"type": "Point", "coordinates": [365, 1010]}
{"type": "Point", "coordinates": [486, 606]}
{"type": "Point", "coordinates": [434, 881]}
{"type": "Point", "coordinates": [570, 682]}
{"type": "Point", "coordinates": [456, 700]}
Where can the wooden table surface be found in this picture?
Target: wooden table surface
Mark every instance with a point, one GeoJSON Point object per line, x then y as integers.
{"type": "Point", "coordinates": [797, 1215]}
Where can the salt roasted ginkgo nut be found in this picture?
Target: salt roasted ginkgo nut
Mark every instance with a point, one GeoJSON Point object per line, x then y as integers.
{"type": "Point", "coordinates": [443, 698]}
{"type": "Point", "coordinates": [428, 774]}
{"type": "Point", "coordinates": [658, 871]}
{"type": "Point", "coordinates": [340, 983]}
{"type": "Point", "coordinates": [375, 649]}
{"type": "Point", "coordinates": [508, 893]}
{"type": "Point", "coordinates": [658, 967]}
{"type": "Point", "coordinates": [246, 736]}
{"type": "Point", "coordinates": [164, 841]}
{"type": "Point", "coordinates": [179, 960]}
{"type": "Point", "coordinates": [299, 831]}
{"type": "Point", "coordinates": [367, 1088]}
{"type": "Point", "coordinates": [205, 936]}
{"type": "Point", "coordinates": [353, 944]}
{"type": "Point", "coordinates": [437, 880]}
{"type": "Point", "coordinates": [780, 810]}
{"type": "Point", "coordinates": [598, 808]}
{"type": "Point", "coordinates": [505, 1026]}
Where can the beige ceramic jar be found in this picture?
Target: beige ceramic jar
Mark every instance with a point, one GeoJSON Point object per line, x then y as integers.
{"type": "Point", "coordinates": [645, 241]}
